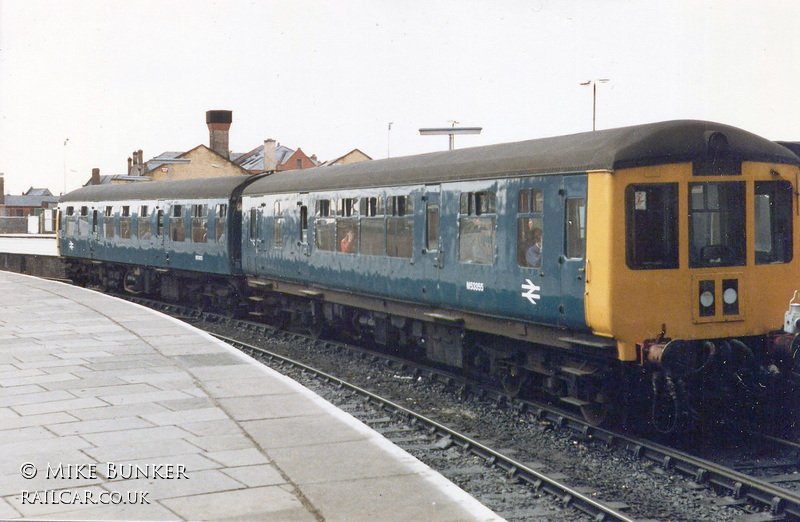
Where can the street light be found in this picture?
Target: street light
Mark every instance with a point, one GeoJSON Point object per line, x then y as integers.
{"type": "Point", "coordinates": [594, 83]}
{"type": "Point", "coordinates": [451, 131]}
{"type": "Point", "coordinates": [389, 141]}
{"type": "Point", "coordinates": [65, 165]}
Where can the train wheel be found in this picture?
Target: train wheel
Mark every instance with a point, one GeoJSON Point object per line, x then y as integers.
{"type": "Point", "coordinates": [318, 330]}
{"type": "Point", "coordinates": [596, 413]}
{"type": "Point", "coordinates": [513, 383]}
{"type": "Point", "coordinates": [279, 320]}
{"type": "Point", "coordinates": [230, 302]}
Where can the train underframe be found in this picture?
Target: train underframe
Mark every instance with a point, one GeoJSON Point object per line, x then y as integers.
{"type": "Point", "coordinates": [674, 386]}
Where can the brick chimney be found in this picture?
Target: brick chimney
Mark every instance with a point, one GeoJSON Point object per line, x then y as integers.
{"type": "Point", "coordinates": [95, 177]}
{"type": "Point", "coordinates": [270, 155]}
{"type": "Point", "coordinates": [219, 123]}
{"type": "Point", "coordinates": [2, 189]}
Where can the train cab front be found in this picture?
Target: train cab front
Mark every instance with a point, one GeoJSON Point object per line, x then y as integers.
{"type": "Point", "coordinates": [694, 279]}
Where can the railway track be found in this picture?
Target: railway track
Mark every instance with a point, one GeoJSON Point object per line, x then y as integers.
{"type": "Point", "coordinates": [447, 437]}
{"type": "Point", "coordinates": [762, 499]}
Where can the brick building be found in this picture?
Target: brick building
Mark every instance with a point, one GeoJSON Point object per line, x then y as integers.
{"type": "Point", "coordinates": [30, 202]}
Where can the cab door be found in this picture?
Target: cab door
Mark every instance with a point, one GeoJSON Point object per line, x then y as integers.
{"type": "Point", "coordinates": [572, 261]}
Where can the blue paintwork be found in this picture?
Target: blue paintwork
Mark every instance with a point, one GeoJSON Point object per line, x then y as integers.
{"type": "Point", "coordinates": [495, 290]}
{"type": "Point", "coordinates": [158, 251]}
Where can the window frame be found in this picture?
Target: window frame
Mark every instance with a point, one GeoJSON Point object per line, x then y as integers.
{"type": "Point", "coordinates": [477, 214]}
{"type": "Point", "coordinates": [639, 199]}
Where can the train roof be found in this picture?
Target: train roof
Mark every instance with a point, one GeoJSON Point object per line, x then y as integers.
{"type": "Point", "coordinates": [203, 188]}
{"type": "Point", "coordinates": [649, 144]}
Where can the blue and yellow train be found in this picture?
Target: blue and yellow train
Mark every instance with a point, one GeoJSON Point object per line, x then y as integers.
{"type": "Point", "coordinates": [648, 266]}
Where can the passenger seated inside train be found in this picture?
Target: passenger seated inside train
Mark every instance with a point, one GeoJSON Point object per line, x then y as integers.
{"type": "Point", "coordinates": [529, 244]}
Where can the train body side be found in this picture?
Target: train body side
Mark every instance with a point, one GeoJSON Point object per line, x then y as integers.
{"type": "Point", "coordinates": [183, 225]}
{"type": "Point", "coordinates": [481, 274]}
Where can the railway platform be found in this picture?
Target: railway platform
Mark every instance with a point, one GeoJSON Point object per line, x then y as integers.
{"type": "Point", "coordinates": [111, 411]}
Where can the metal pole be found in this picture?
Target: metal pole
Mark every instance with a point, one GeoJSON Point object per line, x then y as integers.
{"type": "Point", "coordinates": [65, 166]}
{"type": "Point", "coordinates": [594, 83]}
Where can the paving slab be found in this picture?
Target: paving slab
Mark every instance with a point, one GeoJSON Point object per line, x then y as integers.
{"type": "Point", "coordinates": [111, 411]}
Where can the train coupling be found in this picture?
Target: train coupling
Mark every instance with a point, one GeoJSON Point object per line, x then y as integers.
{"type": "Point", "coordinates": [677, 356]}
{"type": "Point", "coordinates": [791, 319]}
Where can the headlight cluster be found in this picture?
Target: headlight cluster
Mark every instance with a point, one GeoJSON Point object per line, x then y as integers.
{"type": "Point", "coordinates": [707, 297]}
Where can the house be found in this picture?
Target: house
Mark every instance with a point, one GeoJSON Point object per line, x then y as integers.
{"type": "Point", "coordinates": [217, 160]}
{"type": "Point", "coordinates": [200, 162]}
{"type": "Point", "coordinates": [354, 156]}
{"type": "Point", "coordinates": [29, 203]}
{"type": "Point", "coordinates": [112, 179]}
{"type": "Point", "coordinates": [279, 158]}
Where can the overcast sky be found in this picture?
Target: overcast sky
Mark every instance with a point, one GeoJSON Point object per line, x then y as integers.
{"type": "Point", "coordinates": [328, 76]}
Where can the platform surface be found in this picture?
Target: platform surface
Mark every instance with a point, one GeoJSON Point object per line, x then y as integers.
{"type": "Point", "coordinates": [112, 411]}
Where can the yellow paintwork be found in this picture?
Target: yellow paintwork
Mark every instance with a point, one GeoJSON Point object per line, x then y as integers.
{"type": "Point", "coordinates": [632, 305]}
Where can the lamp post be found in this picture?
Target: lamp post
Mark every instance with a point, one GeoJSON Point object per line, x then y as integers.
{"type": "Point", "coordinates": [451, 131]}
{"type": "Point", "coordinates": [389, 141]}
{"type": "Point", "coordinates": [65, 165]}
{"type": "Point", "coordinates": [594, 83]}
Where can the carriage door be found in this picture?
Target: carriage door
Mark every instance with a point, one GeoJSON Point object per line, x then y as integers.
{"type": "Point", "coordinates": [432, 241]}
{"type": "Point", "coordinates": [432, 252]}
{"type": "Point", "coordinates": [572, 261]}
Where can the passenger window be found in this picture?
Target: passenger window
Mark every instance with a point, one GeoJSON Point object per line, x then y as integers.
{"type": "Point", "coordinates": [530, 203]}
{"type": "Point", "coordinates": [69, 221]}
{"type": "Point", "coordinates": [530, 200]}
{"type": "Point", "coordinates": [773, 222]}
{"type": "Point", "coordinates": [220, 222]}
{"type": "Point", "coordinates": [324, 226]}
{"type": "Point", "coordinates": [143, 223]}
{"type": "Point", "coordinates": [323, 208]}
{"type": "Point", "coordinates": [476, 228]}
{"type": "Point", "coordinates": [477, 203]}
{"type": "Point", "coordinates": [108, 222]}
{"type": "Point", "coordinates": [253, 223]}
{"type": "Point", "coordinates": [400, 226]}
{"type": "Point", "coordinates": [432, 226]}
{"type": "Point", "coordinates": [199, 223]}
{"type": "Point", "coordinates": [304, 224]}
{"type": "Point", "coordinates": [372, 207]}
{"type": "Point", "coordinates": [125, 222]}
{"type": "Point", "coordinates": [177, 227]}
{"type": "Point", "coordinates": [277, 226]}
{"type": "Point", "coordinates": [349, 207]}
{"type": "Point", "coordinates": [717, 224]}
{"type": "Point", "coordinates": [651, 226]}
{"type": "Point", "coordinates": [347, 226]}
{"type": "Point", "coordinates": [576, 228]}
{"type": "Point", "coordinates": [83, 222]}
{"type": "Point", "coordinates": [159, 223]}
{"type": "Point", "coordinates": [373, 227]}
{"type": "Point", "coordinates": [347, 235]}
